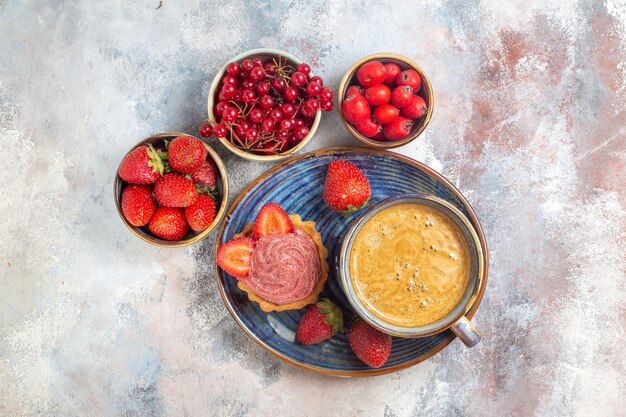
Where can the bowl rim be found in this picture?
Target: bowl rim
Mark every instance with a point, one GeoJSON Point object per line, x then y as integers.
{"type": "Point", "coordinates": [211, 101]}
{"type": "Point", "coordinates": [193, 239]}
{"type": "Point", "coordinates": [344, 84]}
{"type": "Point", "coordinates": [470, 295]}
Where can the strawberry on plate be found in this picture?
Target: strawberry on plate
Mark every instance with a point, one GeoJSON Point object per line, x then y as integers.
{"type": "Point", "coordinates": [173, 190]}
{"type": "Point", "coordinates": [234, 256]}
{"type": "Point", "coordinates": [346, 187]}
{"type": "Point", "coordinates": [138, 204]}
{"type": "Point", "coordinates": [169, 223]}
{"type": "Point", "coordinates": [320, 322]}
{"type": "Point", "coordinates": [186, 154]}
{"type": "Point", "coordinates": [272, 219]}
{"type": "Point", "coordinates": [142, 165]}
{"type": "Point", "coordinates": [369, 344]}
{"type": "Point", "coordinates": [201, 214]}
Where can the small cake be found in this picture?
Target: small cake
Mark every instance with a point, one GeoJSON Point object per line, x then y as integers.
{"type": "Point", "coordinates": [279, 260]}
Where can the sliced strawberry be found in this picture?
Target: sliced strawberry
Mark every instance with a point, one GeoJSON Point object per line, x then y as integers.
{"type": "Point", "coordinates": [234, 256]}
{"type": "Point", "coordinates": [272, 219]}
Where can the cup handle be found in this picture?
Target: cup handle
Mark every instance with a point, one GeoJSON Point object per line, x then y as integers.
{"type": "Point", "coordinates": [465, 330]}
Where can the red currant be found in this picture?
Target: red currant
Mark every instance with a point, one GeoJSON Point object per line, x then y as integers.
{"type": "Point", "coordinates": [285, 124]}
{"type": "Point", "coordinates": [263, 88]}
{"type": "Point", "coordinates": [247, 65]}
{"type": "Point", "coordinates": [303, 68]}
{"type": "Point", "coordinates": [313, 89]}
{"type": "Point", "coordinates": [312, 105]}
{"type": "Point", "coordinates": [298, 79]}
{"type": "Point", "coordinates": [326, 94]}
{"type": "Point", "coordinates": [270, 68]}
{"type": "Point", "coordinates": [300, 132]}
{"type": "Point", "coordinates": [298, 122]}
{"type": "Point", "coordinates": [220, 96]}
{"type": "Point", "coordinates": [276, 114]}
{"type": "Point", "coordinates": [288, 109]}
{"type": "Point", "coordinates": [248, 95]}
{"type": "Point", "coordinates": [219, 130]}
{"type": "Point", "coordinates": [233, 69]}
{"type": "Point", "coordinates": [256, 115]}
{"type": "Point", "coordinates": [317, 79]}
{"type": "Point", "coordinates": [267, 125]}
{"type": "Point", "coordinates": [257, 74]}
{"type": "Point", "coordinates": [257, 61]}
{"type": "Point", "coordinates": [290, 94]}
{"type": "Point", "coordinates": [219, 108]}
{"type": "Point", "coordinates": [248, 83]}
{"type": "Point", "coordinates": [229, 91]}
{"type": "Point", "coordinates": [251, 134]}
{"type": "Point", "coordinates": [206, 130]}
{"type": "Point", "coordinates": [282, 143]}
{"type": "Point", "coordinates": [327, 105]}
{"type": "Point", "coordinates": [278, 84]}
{"type": "Point", "coordinates": [267, 101]}
{"type": "Point", "coordinates": [229, 114]}
{"type": "Point", "coordinates": [282, 135]}
{"type": "Point", "coordinates": [229, 80]}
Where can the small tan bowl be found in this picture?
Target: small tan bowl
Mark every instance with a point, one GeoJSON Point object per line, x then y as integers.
{"type": "Point", "coordinates": [265, 54]}
{"type": "Point", "coordinates": [426, 92]}
{"type": "Point", "coordinates": [192, 237]}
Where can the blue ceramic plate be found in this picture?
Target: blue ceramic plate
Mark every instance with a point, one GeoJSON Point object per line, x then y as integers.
{"type": "Point", "coordinates": [297, 185]}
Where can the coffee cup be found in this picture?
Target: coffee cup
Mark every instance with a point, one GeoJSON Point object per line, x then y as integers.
{"type": "Point", "coordinates": [412, 266]}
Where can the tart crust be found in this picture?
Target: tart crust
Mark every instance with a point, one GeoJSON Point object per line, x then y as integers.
{"type": "Point", "coordinates": [307, 227]}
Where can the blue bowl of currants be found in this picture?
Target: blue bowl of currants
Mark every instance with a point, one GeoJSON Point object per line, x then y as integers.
{"type": "Point", "coordinates": [265, 105]}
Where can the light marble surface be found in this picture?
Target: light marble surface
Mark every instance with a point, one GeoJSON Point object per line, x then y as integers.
{"type": "Point", "coordinates": [529, 123]}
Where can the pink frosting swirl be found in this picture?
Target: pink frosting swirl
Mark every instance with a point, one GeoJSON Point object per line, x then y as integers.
{"type": "Point", "coordinates": [284, 268]}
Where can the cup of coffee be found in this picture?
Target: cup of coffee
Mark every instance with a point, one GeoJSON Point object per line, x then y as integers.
{"type": "Point", "coordinates": [411, 266]}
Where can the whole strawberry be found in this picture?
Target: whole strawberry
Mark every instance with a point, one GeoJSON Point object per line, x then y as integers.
{"type": "Point", "coordinates": [369, 344]}
{"type": "Point", "coordinates": [346, 187]}
{"type": "Point", "coordinates": [320, 322]}
{"type": "Point", "coordinates": [169, 223]}
{"type": "Point", "coordinates": [173, 190]}
{"type": "Point", "coordinates": [138, 204]}
{"type": "Point", "coordinates": [206, 174]}
{"type": "Point", "coordinates": [142, 165]}
{"type": "Point", "coordinates": [201, 214]}
{"type": "Point", "coordinates": [186, 153]}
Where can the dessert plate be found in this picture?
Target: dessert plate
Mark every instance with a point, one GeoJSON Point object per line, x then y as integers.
{"type": "Point", "coordinates": [297, 185]}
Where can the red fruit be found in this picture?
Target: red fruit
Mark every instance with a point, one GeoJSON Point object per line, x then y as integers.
{"type": "Point", "coordinates": [290, 93]}
{"type": "Point", "coordinates": [327, 105]}
{"type": "Point", "coordinates": [300, 132]}
{"type": "Point", "coordinates": [346, 187]}
{"type": "Point", "coordinates": [311, 105]}
{"type": "Point", "coordinates": [247, 65]}
{"type": "Point", "coordinates": [263, 88]}
{"type": "Point", "coordinates": [206, 130]}
{"type": "Point", "coordinates": [138, 204]}
{"type": "Point", "coordinates": [368, 128]}
{"type": "Point", "coordinates": [411, 78]}
{"type": "Point", "coordinates": [267, 101]}
{"type": "Point", "coordinates": [320, 322]}
{"type": "Point", "coordinates": [298, 79]}
{"type": "Point", "coordinates": [371, 73]}
{"type": "Point", "coordinates": [288, 109]}
{"type": "Point", "coordinates": [401, 96]}
{"type": "Point", "coordinates": [386, 113]}
{"type": "Point", "coordinates": [313, 89]}
{"type": "Point", "coordinates": [398, 129]}
{"type": "Point", "coordinates": [304, 68]}
{"type": "Point", "coordinates": [355, 90]}
{"type": "Point", "coordinates": [326, 94]}
{"type": "Point", "coordinates": [317, 79]}
{"type": "Point", "coordinates": [185, 154]}
{"type": "Point", "coordinates": [392, 70]}
{"type": "Point", "coordinates": [201, 214]}
{"type": "Point", "coordinates": [169, 223]}
{"type": "Point", "coordinates": [279, 84]}
{"type": "Point", "coordinates": [233, 69]}
{"type": "Point", "coordinates": [206, 174]}
{"type": "Point", "coordinates": [415, 109]}
{"type": "Point", "coordinates": [256, 115]}
{"type": "Point", "coordinates": [355, 108]}
{"type": "Point", "coordinates": [369, 344]}
{"type": "Point", "coordinates": [142, 165]}
{"type": "Point", "coordinates": [219, 130]}
{"type": "Point", "coordinates": [173, 190]}
{"type": "Point", "coordinates": [234, 256]}
{"type": "Point", "coordinates": [271, 220]}
{"type": "Point", "coordinates": [257, 73]}
{"type": "Point", "coordinates": [378, 94]}
{"type": "Point", "coordinates": [229, 80]}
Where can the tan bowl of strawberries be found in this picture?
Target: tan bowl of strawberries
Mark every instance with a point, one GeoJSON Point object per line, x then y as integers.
{"type": "Point", "coordinates": [171, 189]}
{"type": "Point", "coordinates": [385, 100]}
